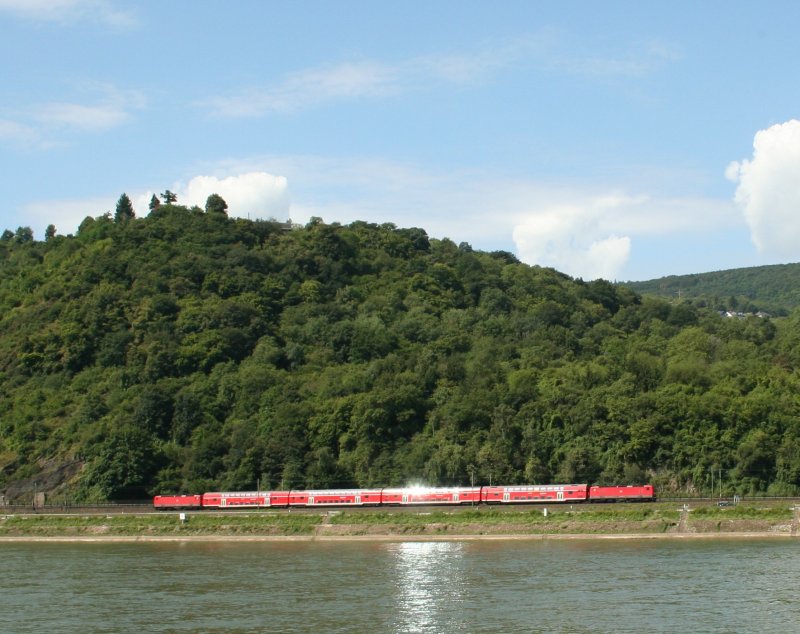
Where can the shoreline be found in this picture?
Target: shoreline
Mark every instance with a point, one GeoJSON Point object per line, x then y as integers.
{"type": "Point", "coordinates": [129, 539]}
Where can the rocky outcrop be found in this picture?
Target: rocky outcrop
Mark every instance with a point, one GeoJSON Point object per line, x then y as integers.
{"type": "Point", "coordinates": [51, 479]}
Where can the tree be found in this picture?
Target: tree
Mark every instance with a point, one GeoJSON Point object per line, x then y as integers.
{"type": "Point", "coordinates": [215, 204]}
{"type": "Point", "coordinates": [125, 464]}
{"type": "Point", "coordinates": [124, 211]}
{"type": "Point", "coordinates": [49, 233]}
{"type": "Point", "coordinates": [155, 203]}
{"type": "Point", "coordinates": [153, 412]}
{"type": "Point", "coordinates": [756, 459]}
{"type": "Point", "coordinates": [169, 197]}
{"type": "Point", "coordinates": [24, 234]}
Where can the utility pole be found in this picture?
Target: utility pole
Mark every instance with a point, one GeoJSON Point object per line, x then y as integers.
{"type": "Point", "coordinates": [472, 483]}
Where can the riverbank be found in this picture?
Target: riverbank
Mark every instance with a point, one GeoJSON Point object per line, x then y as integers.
{"type": "Point", "coordinates": [620, 522]}
{"type": "Point", "coordinates": [397, 538]}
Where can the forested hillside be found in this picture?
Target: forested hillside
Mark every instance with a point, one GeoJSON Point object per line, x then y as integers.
{"type": "Point", "coordinates": [189, 351]}
{"type": "Point", "coordinates": [774, 289]}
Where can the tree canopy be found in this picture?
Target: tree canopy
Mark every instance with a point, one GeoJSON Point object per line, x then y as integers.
{"type": "Point", "coordinates": [215, 204]}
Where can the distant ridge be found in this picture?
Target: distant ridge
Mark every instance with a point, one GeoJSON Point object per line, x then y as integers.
{"type": "Point", "coordinates": [773, 288]}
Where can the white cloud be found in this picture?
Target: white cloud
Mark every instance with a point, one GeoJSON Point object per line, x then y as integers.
{"type": "Point", "coordinates": [545, 50]}
{"type": "Point", "coordinates": [349, 81]}
{"type": "Point", "coordinates": [309, 88]}
{"type": "Point", "coordinates": [40, 124]}
{"type": "Point", "coordinates": [82, 117]}
{"type": "Point", "coordinates": [65, 215]}
{"type": "Point", "coordinates": [769, 190]}
{"type": "Point", "coordinates": [21, 135]}
{"type": "Point", "coordinates": [112, 109]}
{"type": "Point", "coordinates": [67, 11]}
{"type": "Point", "coordinates": [578, 239]}
{"type": "Point", "coordinates": [252, 195]}
{"type": "Point", "coordinates": [592, 234]}
{"type": "Point", "coordinates": [642, 61]}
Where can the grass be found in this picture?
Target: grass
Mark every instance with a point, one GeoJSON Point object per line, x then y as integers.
{"type": "Point", "coordinates": [492, 516]}
{"type": "Point", "coordinates": [515, 521]}
{"type": "Point", "coordinates": [742, 512]}
{"type": "Point", "coordinates": [158, 525]}
{"type": "Point", "coordinates": [618, 518]}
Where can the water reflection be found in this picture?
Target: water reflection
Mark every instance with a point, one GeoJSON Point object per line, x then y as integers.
{"type": "Point", "coordinates": [430, 586]}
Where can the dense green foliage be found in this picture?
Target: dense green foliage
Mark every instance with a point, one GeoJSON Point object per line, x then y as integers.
{"type": "Point", "coordinates": [190, 351]}
{"type": "Point", "coordinates": [774, 289]}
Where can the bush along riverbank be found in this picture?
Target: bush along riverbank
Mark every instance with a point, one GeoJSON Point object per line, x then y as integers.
{"type": "Point", "coordinates": [627, 521]}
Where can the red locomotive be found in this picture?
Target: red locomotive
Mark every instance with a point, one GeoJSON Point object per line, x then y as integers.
{"type": "Point", "coordinates": [644, 493]}
{"type": "Point", "coordinates": [178, 501]}
{"type": "Point", "coordinates": [409, 496]}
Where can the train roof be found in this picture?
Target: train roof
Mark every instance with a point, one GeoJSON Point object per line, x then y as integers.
{"type": "Point", "coordinates": [429, 489]}
{"type": "Point", "coordinates": [334, 491]}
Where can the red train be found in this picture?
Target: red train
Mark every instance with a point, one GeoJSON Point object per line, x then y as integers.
{"type": "Point", "coordinates": [409, 496]}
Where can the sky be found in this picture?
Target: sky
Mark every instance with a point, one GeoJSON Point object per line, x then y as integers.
{"type": "Point", "coordinates": [622, 140]}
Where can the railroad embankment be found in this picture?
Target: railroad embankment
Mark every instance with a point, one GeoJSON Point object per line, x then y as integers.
{"type": "Point", "coordinates": [627, 521]}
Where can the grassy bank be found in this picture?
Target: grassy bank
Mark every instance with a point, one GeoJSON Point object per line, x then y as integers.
{"type": "Point", "coordinates": [613, 520]}
{"type": "Point", "coordinates": [168, 524]}
{"type": "Point", "coordinates": [727, 520]}
{"type": "Point", "coordinates": [493, 522]}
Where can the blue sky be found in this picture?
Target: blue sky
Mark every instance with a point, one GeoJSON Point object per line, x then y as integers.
{"type": "Point", "coordinates": [624, 140]}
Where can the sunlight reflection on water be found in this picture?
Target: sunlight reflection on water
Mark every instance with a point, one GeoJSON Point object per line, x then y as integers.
{"type": "Point", "coordinates": [430, 585]}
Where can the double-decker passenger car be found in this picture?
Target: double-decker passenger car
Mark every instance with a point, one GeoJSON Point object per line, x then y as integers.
{"type": "Point", "coordinates": [335, 497]}
{"type": "Point", "coordinates": [431, 495]}
{"type": "Point", "coordinates": [240, 499]}
{"type": "Point", "coordinates": [534, 493]}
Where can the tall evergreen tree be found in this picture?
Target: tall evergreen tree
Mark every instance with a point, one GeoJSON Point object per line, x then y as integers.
{"type": "Point", "coordinates": [169, 197]}
{"type": "Point", "coordinates": [155, 203]}
{"type": "Point", "coordinates": [124, 211]}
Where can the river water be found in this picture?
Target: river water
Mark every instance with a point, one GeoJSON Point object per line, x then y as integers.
{"type": "Point", "coordinates": [507, 586]}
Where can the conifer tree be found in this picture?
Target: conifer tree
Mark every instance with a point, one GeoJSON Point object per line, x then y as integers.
{"type": "Point", "coordinates": [124, 211]}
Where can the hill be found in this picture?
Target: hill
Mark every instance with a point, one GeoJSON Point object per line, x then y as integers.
{"type": "Point", "coordinates": [189, 351]}
{"type": "Point", "coordinates": [774, 289]}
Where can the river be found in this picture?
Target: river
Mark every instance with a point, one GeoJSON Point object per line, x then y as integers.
{"type": "Point", "coordinates": [580, 586]}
